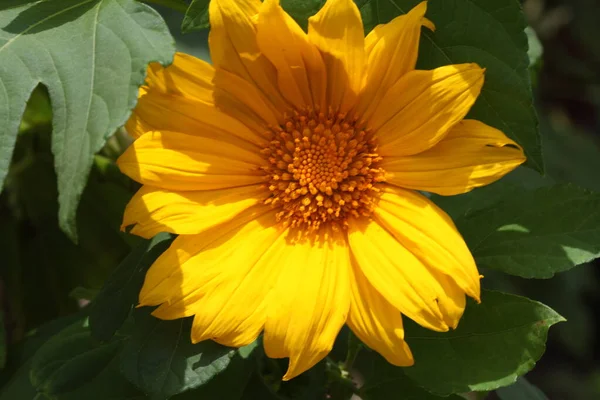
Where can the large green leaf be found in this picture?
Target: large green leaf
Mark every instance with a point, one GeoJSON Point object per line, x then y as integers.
{"type": "Point", "coordinates": [535, 234]}
{"type": "Point", "coordinates": [112, 305]}
{"type": "Point", "coordinates": [19, 386]}
{"type": "Point", "coordinates": [92, 56]}
{"type": "Point", "coordinates": [196, 16]}
{"type": "Point", "coordinates": [490, 33]}
{"type": "Point", "coordinates": [461, 205]}
{"type": "Point", "coordinates": [496, 341]}
{"type": "Point", "coordinates": [69, 359]}
{"type": "Point", "coordinates": [72, 366]}
{"type": "Point", "coordinates": [161, 360]}
{"type": "Point", "coordinates": [381, 380]}
{"type": "Point", "coordinates": [14, 379]}
{"type": "Point", "coordinates": [240, 370]}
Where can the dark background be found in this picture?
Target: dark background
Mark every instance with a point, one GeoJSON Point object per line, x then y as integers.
{"type": "Point", "coordinates": [567, 91]}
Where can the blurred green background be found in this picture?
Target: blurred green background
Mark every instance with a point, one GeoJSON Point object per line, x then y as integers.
{"type": "Point", "coordinates": [45, 275]}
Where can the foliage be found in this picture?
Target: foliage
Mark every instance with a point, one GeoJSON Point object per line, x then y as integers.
{"type": "Point", "coordinates": [74, 331]}
{"type": "Point", "coordinates": [91, 55]}
{"type": "Point", "coordinates": [497, 341]}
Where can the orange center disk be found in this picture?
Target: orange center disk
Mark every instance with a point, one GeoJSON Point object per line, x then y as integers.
{"type": "Point", "coordinates": [322, 169]}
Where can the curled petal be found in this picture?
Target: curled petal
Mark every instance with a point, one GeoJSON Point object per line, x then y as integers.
{"type": "Point", "coordinates": [473, 154]}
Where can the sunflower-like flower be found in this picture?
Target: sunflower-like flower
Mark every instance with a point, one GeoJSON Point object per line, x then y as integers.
{"type": "Point", "coordinates": [290, 169]}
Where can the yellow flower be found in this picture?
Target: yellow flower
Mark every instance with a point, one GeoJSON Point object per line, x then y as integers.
{"type": "Point", "coordinates": [290, 169]}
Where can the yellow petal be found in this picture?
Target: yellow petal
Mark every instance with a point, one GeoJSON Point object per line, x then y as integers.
{"type": "Point", "coordinates": [454, 302]}
{"type": "Point", "coordinates": [166, 272]}
{"type": "Point", "coordinates": [242, 99]}
{"type": "Point", "coordinates": [154, 210]}
{"type": "Point", "coordinates": [135, 125]}
{"type": "Point", "coordinates": [417, 112]}
{"type": "Point", "coordinates": [472, 154]}
{"type": "Point", "coordinates": [376, 322]}
{"type": "Point", "coordinates": [300, 70]}
{"type": "Point", "coordinates": [395, 272]}
{"type": "Point", "coordinates": [187, 76]}
{"type": "Point", "coordinates": [310, 302]}
{"type": "Point", "coordinates": [225, 282]}
{"type": "Point", "coordinates": [177, 161]}
{"type": "Point", "coordinates": [233, 47]}
{"type": "Point", "coordinates": [419, 225]}
{"type": "Point", "coordinates": [196, 80]}
{"type": "Point", "coordinates": [337, 31]}
{"type": "Point", "coordinates": [392, 51]}
{"type": "Point", "coordinates": [166, 112]}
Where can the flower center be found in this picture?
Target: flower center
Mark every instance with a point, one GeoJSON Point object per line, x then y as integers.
{"type": "Point", "coordinates": [322, 167]}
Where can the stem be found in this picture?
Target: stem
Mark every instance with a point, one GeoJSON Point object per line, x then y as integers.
{"type": "Point", "coordinates": [340, 385]}
{"type": "Point", "coordinates": [354, 346]}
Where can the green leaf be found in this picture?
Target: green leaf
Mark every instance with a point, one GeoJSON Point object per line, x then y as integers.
{"type": "Point", "coordinates": [196, 16]}
{"type": "Point", "coordinates": [112, 305]}
{"type": "Point", "coordinates": [301, 10]}
{"type": "Point", "coordinates": [487, 32]}
{"type": "Point", "coordinates": [521, 390]}
{"type": "Point", "coordinates": [240, 370]}
{"type": "Point", "coordinates": [108, 384]}
{"type": "Point", "coordinates": [69, 359]}
{"type": "Point", "coordinates": [382, 381]}
{"type": "Point", "coordinates": [14, 379]}
{"type": "Point", "coordinates": [536, 234]}
{"type": "Point", "coordinates": [161, 360]}
{"type": "Point", "coordinates": [571, 154]}
{"type": "Point", "coordinates": [100, 212]}
{"type": "Point", "coordinates": [73, 366]}
{"type": "Point", "coordinates": [464, 204]}
{"type": "Point", "coordinates": [19, 386]}
{"type": "Point", "coordinates": [496, 341]}
{"type": "Point", "coordinates": [92, 56]}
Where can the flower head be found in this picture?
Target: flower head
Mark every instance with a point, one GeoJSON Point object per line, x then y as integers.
{"type": "Point", "coordinates": [290, 170]}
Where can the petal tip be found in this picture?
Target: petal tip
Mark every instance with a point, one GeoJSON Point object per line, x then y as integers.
{"type": "Point", "coordinates": [427, 23]}
{"type": "Point", "coordinates": [194, 339]}
{"type": "Point", "coordinates": [287, 377]}
{"type": "Point", "coordinates": [421, 9]}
